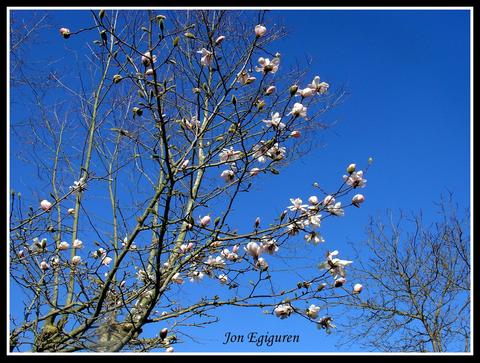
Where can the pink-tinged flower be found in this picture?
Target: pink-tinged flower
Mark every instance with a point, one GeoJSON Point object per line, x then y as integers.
{"type": "Point", "coordinates": [62, 246]}
{"type": "Point", "coordinates": [205, 221]}
{"type": "Point", "coordinates": [223, 278]}
{"type": "Point", "coordinates": [355, 179]}
{"type": "Point", "coordinates": [269, 245]}
{"type": "Point", "coordinates": [334, 265]}
{"type": "Point", "coordinates": [298, 110]}
{"type": "Point", "coordinates": [296, 134]}
{"type": "Point", "coordinates": [219, 40]}
{"type": "Point", "coordinates": [45, 205]}
{"type": "Point", "coordinates": [227, 175]}
{"type": "Point", "coordinates": [77, 244]}
{"type": "Point", "coordinates": [312, 311]}
{"type": "Point", "coordinates": [177, 278]}
{"type": "Point", "coordinates": [106, 261]}
{"type": "Point", "coordinates": [71, 211]}
{"type": "Point", "coordinates": [44, 266]}
{"type": "Point", "coordinates": [314, 237]}
{"type": "Point", "coordinates": [229, 155]}
{"type": "Point", "coordinates": [328, 200]}
{"type": "Point", "coordinates": [357, 200]}
{"type": "Point", "coordinates": [207, 57]}
{"type": "Point", "coordinates": [357, 288]}
{"type": "Point", "coordinates": [184, 164]}
{"type": "Point", "coordinates": [270, 90]}
{"type": "Point", "coordinates": [313, 200]}
{"type": "Point", "coordinates": [169, 350]}
{"type": "Point", "coordinates": [149, 72]}
{"type": "Point", "coordinates": [351, 168]}
{"type": "Point", "coordinates": [215, 262]}
{"type": "Point", "coordinates": [65, 32]}
{"type": "Point", "coordinates": [268, 66]}
{"type": "Point", "coordinates": [297, 205]}
{"type": "Point", "coordinates": [253, 249]}
{"type": "Point", "coordinates": [184, 248]}
{"type": "Point", "coordinates": [261, 264]}
{"type": "Point", "coordinates": [306, 92]}
{"type": "Point", "coordinates": [340, 281]}
{"type": "Point", "coordinates": [260, 30]}
{"type": "Point", "coordinates": [336, 209]}
{"type": "Point", "coordinates": [235, 248]}
{"type": "Point", "coordinates": [275, 121]}
{"type": "Point", "coordinates": [283, 311]}
{"type": "Point", "coordinates": [254, 171]}
{"type": "Point", "coordinates": [319, 87]}
{"type": "Point", "coordinates": [196, 276]}
{"type": "Point", "coordinates": [148, 58]}
{"type": "Point", "coordinates": [76, 260]}
{"type": "Point", "coordinates": [244, 78]}
{"type": "Point", "coordinates": [230, 256]}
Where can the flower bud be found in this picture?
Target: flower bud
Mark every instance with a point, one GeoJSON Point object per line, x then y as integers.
{"type": "Point", "coordinates": [21, 254]}
{"type": "Point", "coordinates": [270, 90]}
{"type": "Point", "coordinates": [351, 168]}
{"type": "Point", "coordinates": [357, 288]}
{"type": "Point", "coordinates": [137, 111]}
{"type": "Point", "coordinates": [328, 200]}
{"type": "Point", "coordinates": [77, 244]}
{"type": "Point", "coordinates": [149, 72]}
{"type": "Point", "coordinates": [340, 281]}
{"type": "Point", "coordinates": [169, 350]}
{"type": "Point", "coordinates": [62, 246]}
{"type": "Point", "coordinates": [219, 40]}
{"type": "Point", "coordinates": [293, 90]}
{"type": "Point", "coordinates": [260, 30]}
{"type": "Point", "coordinates": [71, 211]}
{"type": "Point", "coordinates": [45, 205]}
{"type": "Point", "coordinates": [76, 260]}
{"type": "Point", "coordinates": [357, 199]}
{"type": "Point", "coordinates": [205, 221]}
{"type": "Point", "coordinates": [65, 32]}
{"type": "Point", "coordinates": [313, 200]}
{"type": "Point", "coordinates": [254, 171]}
{"type": "Point", "coordinates": [296, 134]}
{"type": "Point", "coordinates": [44, 266]}
{"type": "Point", "coordinates": [163, 333]}
{"type": "Point", "coordinates": [117, 78]}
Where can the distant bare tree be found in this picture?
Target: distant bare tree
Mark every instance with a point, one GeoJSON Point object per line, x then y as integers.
{"type": "Point", "coordinates": [417, 280]}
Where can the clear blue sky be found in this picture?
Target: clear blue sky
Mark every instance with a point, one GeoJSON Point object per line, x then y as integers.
{"type": "Point", "coordinates": [408, 73]}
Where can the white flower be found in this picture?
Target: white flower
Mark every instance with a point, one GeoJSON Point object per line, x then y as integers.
{"type": "Point", "coordinates": [326, 323]}
{"type": "Point", "coordinates": [313, 200]}
{"type": "Point", "coordinates": [77, 244]}
{"type": "Point", "coordinates": [79, 185]}
{"type": "Point", "coordinates": [260, 30]}
{"type": "Point", "coordinates": [231, 256]}
{"type": "Point", "coordinates": [45, 205]}
{"type": "Point", "coordinates": [298, 110]}
{"type": "Point", "coordinates": [254, 171]}
{"type": "Point", "coordinates": [65, 32]}
{"type": "Point", "coordinates": [297, 205]}
{"type": "Point", "coordinates": [283, 311]}
{"type": "Point", "coordinates": [76, 260]}
{"type": "Point", "coordinates": [336, 209]}
{"type": "Point", "coordinates": [106, 261]}
{"type": "Point", "coordinates": [314, 238]}
{"type": "Point", "coordinates": [268, 66]}
{"type": "Point", "coordinates": [335, 266]}
{"type": "Point", "coordinates": [253, 249]}
{"type": "Point", "coordinates": [244, 78]}
{"type": "Point", "coordinates": [99, 253]}
{"type": "Point", "coordinates": [219, 40]}
{"type": "Point", "coordinates": [229, 155]}
{"type": "Point", "coordinates": [55, 260]}
{"type": "Point", "coordinates": [312, 311]}
{"type": "Point", "coordinates": [205, 220]}
{"type": "Point", "coordinates": [147, 58]}
{"type": "Point", "coordinates": [177, 278]}
{"type": "Point", "coordinates": [319, 87]}
{"type": "Point", "coordinates": [62, 246]}
{"type": "Point", "coordinates": [276, 152]}
{"type": "Point", "coordinates": [275, 121]}
{"type": "Point", "coordinates": [340, 281]}
{"type": "Point", "coordinates": [355, 179]}
{"type": "Point", "coordinates": [149, 72]}
{"type": "Point", "coordinates": [328, 200]}
{"type": "Point", "coordinates": [261, 264]}
{"type": "Point", "coordinates": [357, 288]}
{"type": "Point", "coordinates": [71, 211]}
{"type": "Point", "coordinates": [269, 245]}
{"type": "Point", "coordinates": [196, 276]}
{"type": "Point", "coordinates": [207, 57]}
{"type": "Point", "coordinates": [294, 228]}
{"type": "Point", "coordinates": [227, 175]}
{"type": "Point", "coordinates": [351, 168]}
{"type": "Point", "coordinates": [170, 350]}
{"type": "Point", "coordinates": [184, 248]}
{"type": "Point", "coordinates": [314, 221]}
{"type": "Point", "coordinates": [44, 266]}
{"type": "Point", "coordinates": [223, 279]}
{"type": "Point", "coordinates": [184, 164]}
{"type": "Point", "coordinates": [217, 262]}
{"type": "Point", "coordinates": [357, 200]}
{"type": "Point", "coordinates": [270, 90]}
{"type": "Point", "coordinates": [306, 92]}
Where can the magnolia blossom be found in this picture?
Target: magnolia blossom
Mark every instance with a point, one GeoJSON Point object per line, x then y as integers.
{"type": "Point", "coordinates": [253, 249]}
{"type": "Point", "coordinates": [169, 350]}
{"type": "Point", "coordinates": [312, 311]}
{"type": "Point", "coordinates": [55, 260]}
{"type": "Point", "coordinates": [268, 66]}
{"type": "Point", "coordinates": [45, 205]}
{"type": "Point", "coordinates": [254, 171]}
{"type": "Point", "coordinates": [357, 288]}
{"type": "Point", "coordinates": [44, 266]}
{"type": "Point", "coordinates": [223, 279]}
{"type": "Point", "coordinates": [283, 311]}
{"type": "Point", "coordinates": [357, 199]}
{"type": "Point", "coordinates": [314, 237]}
{"type": "Point", "coordinates": [298, 110]}
{"type": "Point", "coordinates": [149, 72]}
{"type": "Point", "coordinates": [351, 168]}
{"type": "Point", "coordinates": [313, 200]}
{"type": "Point", "coordinates": [184, 164]}
{"type": "Point", "coordinates": [326, 323]}
{"type": "Point", "coordinates": [227, 175]}
{"type": "Point", "coordinates": [260, 30]}
{"type": "Point", "coordinates": [205, 221]}
{"type": "Point", "coordinates": [144, 277]}
{"type": "Point", "coordinates": [147, 58]}
{"type": "Point", "coordinates": [294, 228]}
{"type": "Point", "coordinates": [261, 264]}
{"type": "Point", "coordinates": [314, 221]}
{"type": "Point", "coordinates": [328, 200]}
{"type": "Point", "coordinates": [207, 57]}
{"type": "Point", "coordinates": [217, 262]}
{"type": "Point", "coordinates": [244, 78]}
{"type": "Point", "coordinates": [106, 261]}
{"type": "Point", "coordinates": [336, 209]}
{"type": "Point", "coordinates": [65, 32]}
{"type": "Point", "coordinates": [79, 185]}
{"type": "Point", "coordinates": [229, 155]}
{"type": "Point", "coordinates": [77, 244]}
{"type": "Point", "coordinates": [335, 266]}
{"type": "Point", "coordinates": [276, 152]}
{"type": "Point", "coordinates": [270, 90]}
{"type": "Point", "coordinates": [177, 278]}
{"type": "Point", "coordinates": [269, 245]}
{"type": "Point", "coordinates": [62, 246]}
{"type": "Point", "coordinates": [196, 276]}
{"type": "Point", "coordinates": [275, 121]}
{"type": "Point", "coordinates": [340, 281]}
{"type": "Point", "coordinates": [76, 260]}
{"type": "Point", "coordinates": [319, 87]}
{"type": "Point", "coordinates": [99, 253]}
{"type": "Point", "coordinates": [184, 248]}
{"type": "Point", "coordinates": [219, 40]}
{"type": "Point", "coordinates": [71, 211]}
{"type": "Point", "coordinates": [355, 179]}
{"type": "Point", "coordinates": [297, 205]}
{"type": "Point", "coordinates": [295, 134]}
{"type": "Point", "coordinates": [306, 92]}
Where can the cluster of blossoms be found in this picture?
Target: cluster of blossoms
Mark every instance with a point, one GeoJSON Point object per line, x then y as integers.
{"type": "Point", "coordinates": [102, 255]}
{"type": "Point", "coordinates": [79, 185]}
{"type": "Point", "coordinates": [316, 87]}
{"type": "Point", "coordinates": [309, 217]}
{"type": "Point", "coordinates": [336, 267]}
{"type": "Point", "coordinates": [267, 245]}
{"type": "Point", "coordinates": [263, 150]}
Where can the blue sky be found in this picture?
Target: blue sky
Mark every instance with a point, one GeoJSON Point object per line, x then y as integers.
{"type": "Point", "coordinates": [408, 74]}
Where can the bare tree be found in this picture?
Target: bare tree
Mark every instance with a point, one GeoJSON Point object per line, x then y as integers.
{"type": "Point", "coordinates": [141, 153]}
{"type": "Point", "coordinates": [417, 279]}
